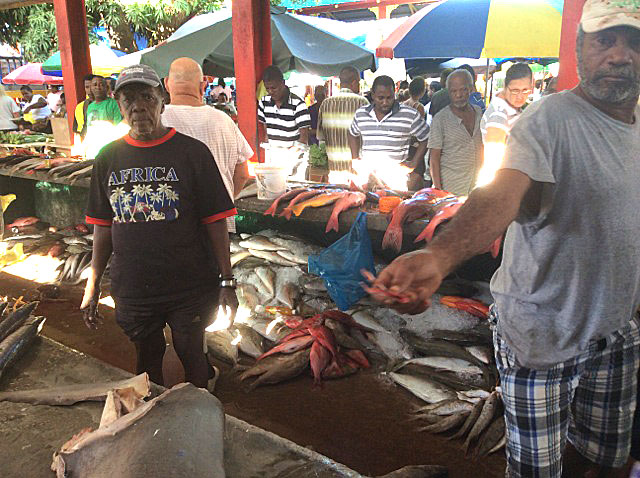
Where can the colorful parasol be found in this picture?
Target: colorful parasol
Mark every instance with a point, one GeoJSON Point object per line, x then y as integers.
{"type": "Point", "coordinates": [478, 29]}
{"type": "Point", "coordinates": [30, 74]}
{"type": "Point", "coordinates": [104, 61]}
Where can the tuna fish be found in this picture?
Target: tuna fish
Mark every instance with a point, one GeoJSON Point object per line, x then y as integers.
{"type": "Point", "coordinates": [16, 343]}
{"type": "Point", "coordinates": [348, 201]}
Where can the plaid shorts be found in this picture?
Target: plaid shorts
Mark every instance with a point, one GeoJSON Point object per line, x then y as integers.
{"type": "Point", "coordinates": [589, 399]}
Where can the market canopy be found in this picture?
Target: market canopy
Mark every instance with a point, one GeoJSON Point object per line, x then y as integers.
{"type": "Point", "coordinates": [478, 29]}
{"type": "Point", "coordinates": [30, 74]}
{"type": "Point", "coordinates": [296, 45]}
{"type": "Point", "coordinates": [104, 61]}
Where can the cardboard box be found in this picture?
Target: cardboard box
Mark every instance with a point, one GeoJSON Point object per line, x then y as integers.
{"type": "Point", "coordinates": [61, 132]}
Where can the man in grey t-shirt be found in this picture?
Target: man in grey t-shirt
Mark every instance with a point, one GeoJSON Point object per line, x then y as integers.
{"type": "Point", "coordinates": [567, 338]}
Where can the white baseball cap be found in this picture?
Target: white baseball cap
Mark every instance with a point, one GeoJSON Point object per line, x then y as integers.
{"type": "Point", "coordinates": [598, 15]}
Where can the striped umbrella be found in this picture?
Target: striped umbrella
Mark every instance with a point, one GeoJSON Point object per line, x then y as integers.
{"type": "Point", "coordinates": [478, 29]}
{"type": "Point", "coordinates": [30, 74]}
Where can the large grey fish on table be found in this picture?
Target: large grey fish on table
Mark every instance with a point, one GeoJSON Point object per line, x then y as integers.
{"type": "Point", "coordinates": [17, 343]}
{"type": "Point", "coordinates": [85, 392]}
{"type": "Point", "coordinates": [16, 319]}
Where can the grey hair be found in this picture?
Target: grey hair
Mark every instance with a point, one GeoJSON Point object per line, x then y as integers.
{"type": "Point", "coordinates": [460, 72]}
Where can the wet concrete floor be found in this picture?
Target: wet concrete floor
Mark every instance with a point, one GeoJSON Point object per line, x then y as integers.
{"type": "Point", "coordinates": [359, 421]}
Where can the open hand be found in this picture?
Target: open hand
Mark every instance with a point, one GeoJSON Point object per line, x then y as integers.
{"type": "Point", "coordinates": [228, 298]}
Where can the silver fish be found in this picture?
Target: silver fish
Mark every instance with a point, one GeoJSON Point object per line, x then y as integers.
{"type": "Point", "coordinates": [270, 329]}
{"type": "Point", "coordinates": [75, 240]}
{"type": "Point", "coordinates": [445, 363]}
{"type": "Point", "coordinates": [247, 296]}
{"type": "Point", "coordinates": [238, 257]}
{"type": "Point", "coordinates": [485, 418]}
{"type": "Point", "coordinates": [23, 237]}
{"type": "Point", "coordinates": [272, 256]}
{"type": "Point", "coordinates": [260, 243]}
{"type": "Point", "coordinates": [234, 246]}
{"type": "Point", "coordinates": [248, 191]}
{"type": "Point", "coordinates": [268, 279]}
{"type": "Point", "coordinates": [423, 388]}
{"type": "Point", "coordinates": [470, 421]}
{"type": "Point", "coordinates": [481, 352]}
{"type": "Point", "coordinates": [366, 320]}
{"type": "Point", "coordinates": [251, 342]}
{"type": "Point", "coordinates": [473, 396]}
{"type": "Point", "coordinates": [295, 258]}
{"type": "Point", "coordinates": [491, 437]}
{"type": "Point", "coordinates": [448, 423]}
{"type": "Point", "coordinates": [220, 345]}
{"type": "Point", "coordinates": [288, 294]}
{"type": "Point", "coordinates": [447, 407]}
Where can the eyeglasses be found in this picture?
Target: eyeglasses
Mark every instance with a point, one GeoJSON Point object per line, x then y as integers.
{"type": "Point", "coordinates": [527, 92]}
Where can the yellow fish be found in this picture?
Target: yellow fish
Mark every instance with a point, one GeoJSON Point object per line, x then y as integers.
{"type": "Point", "coordinates": [6, 200]}
{"type": "Point", "coordinates": [318, 201]}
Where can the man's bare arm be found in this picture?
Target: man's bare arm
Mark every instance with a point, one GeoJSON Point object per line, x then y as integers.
{"type": "Point", "coordinates": [486, 214]}
{"type": "Point", "coordinates": [304, 135]}
{"type": "Point", "coordinates": [434, 165]}
{"type": "Point", "coordinates": [354, 145]}
{"type": "Point", "coordinates": [219, 238]}
{"type": "Point", "coordinates": [102, 249]}
{"type": "Point", "coordinates": [240, 177]}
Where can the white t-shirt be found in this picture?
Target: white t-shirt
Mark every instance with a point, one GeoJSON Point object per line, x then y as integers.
{"type": "Point", "coordinates": [7, 108]}
{"type": "Point", "coordinates": [38, 113]}
{"type": "Point", "coordinates": [53, 99]}
{"type": "Point", "coordinates": [218, 131]}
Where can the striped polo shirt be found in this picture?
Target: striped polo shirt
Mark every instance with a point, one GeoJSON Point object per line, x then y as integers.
{"type": "Point", "coordinates": [283, 123]}
{"type": "Point", "coordinates": [334, 121]}
{"type": "Point", "coordinates": [392, 135]}
{"type": "Point", "coordinates": [500, 114]}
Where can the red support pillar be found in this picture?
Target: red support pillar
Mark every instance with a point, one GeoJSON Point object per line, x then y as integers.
{"type": "Point", "coordinates": [73, 43]}
{"type": "Point", "coordinates": [251, 23]}
{"type": "Point", "coordinates": [568, 75]}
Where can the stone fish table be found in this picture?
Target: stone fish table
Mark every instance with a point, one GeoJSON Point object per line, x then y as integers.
{"type": "Point", "coordinates": [31, 433]}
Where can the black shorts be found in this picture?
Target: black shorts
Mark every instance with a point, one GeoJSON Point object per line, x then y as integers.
{"type": "Point", "coordinates": [185, 314]}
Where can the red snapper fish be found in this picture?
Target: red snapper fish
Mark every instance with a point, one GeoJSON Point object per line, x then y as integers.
{"type": "Point", "coordinates": [407, 211]}
{"type": "Point", "coordinates": [432, 193]}
{"type": "Point", "coordinates": [349, 200]}
{"type": "Point", "coordinates": [23, 221]}
{"type": "Point", "coordinates": [320, 358]}
{"type": "Point", "coordinates": [286, 196]}
{"type": "Point", "coordinates": [287, 211]}
{"type": "Point", "coordinates": [474, 307]}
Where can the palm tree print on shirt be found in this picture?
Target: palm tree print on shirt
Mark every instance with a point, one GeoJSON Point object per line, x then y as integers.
{"type": "Point", "coordinates": [143, 204]}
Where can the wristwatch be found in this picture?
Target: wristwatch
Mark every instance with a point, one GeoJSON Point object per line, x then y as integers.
{"type": "Point", "coordinates": [231, 283]}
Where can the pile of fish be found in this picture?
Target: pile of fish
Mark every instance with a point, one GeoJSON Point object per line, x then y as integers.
{"type": "Point", "coordinates": [25, 161]}
{"type": "Point", "coordinates": [301, 198]}
{"type": "Point", "coordinates": [455, 374]}
{"type": "Point", "coordinates": [475, 418]}
{"type": "Point", "coordinates": [322, 342]}
{"type": "Point", "coordinates": [72, 245]}
{"type": "Point", "coordinates": [18, 328]}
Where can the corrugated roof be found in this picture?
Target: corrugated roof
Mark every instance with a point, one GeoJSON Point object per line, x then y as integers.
{"type": "Point", "coordinates": [298, 4]}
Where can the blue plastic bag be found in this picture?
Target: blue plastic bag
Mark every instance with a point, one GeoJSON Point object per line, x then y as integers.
{"type": "Point", "coordinates": [340, 264]}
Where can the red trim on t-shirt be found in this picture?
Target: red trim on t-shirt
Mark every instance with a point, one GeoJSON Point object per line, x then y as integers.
{"type": "Point", "coordinates": [219, 216]}
{"type": "Point", "coordinates": [96, 221]}
{"type": "Point", "coordinates": [149, 144]}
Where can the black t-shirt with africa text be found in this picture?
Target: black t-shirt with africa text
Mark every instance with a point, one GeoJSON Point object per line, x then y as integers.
{"type": "Point", "coordinates": [156, 196]}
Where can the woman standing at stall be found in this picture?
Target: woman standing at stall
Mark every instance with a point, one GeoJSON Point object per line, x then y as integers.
{"type": "Point", "coordinates": [501, 115]}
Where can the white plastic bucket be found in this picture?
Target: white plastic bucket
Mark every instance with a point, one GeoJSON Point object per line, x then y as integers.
{"type": "Point", "coordinates": [271, 181]}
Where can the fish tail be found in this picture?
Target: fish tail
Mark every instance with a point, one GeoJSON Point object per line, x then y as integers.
{"type": "Point", "coordinates": [332, 223]}
{"type": "Point", "coordinates": [392, 238]}
{"type": "Point", "coordinates": [286, 213]}
{"type": "Point", "coordinates": [424, 234]}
